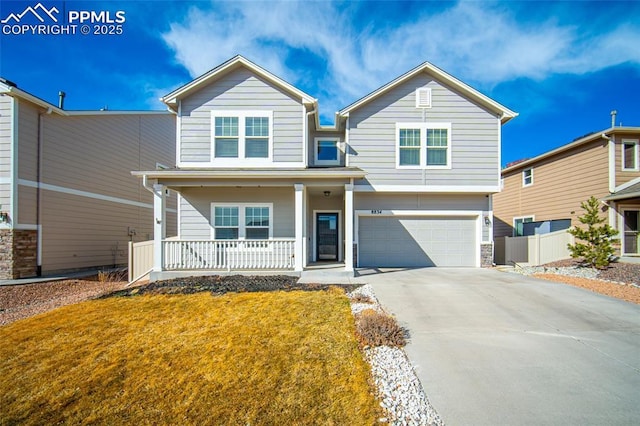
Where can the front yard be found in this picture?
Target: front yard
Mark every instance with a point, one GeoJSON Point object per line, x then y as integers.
{"type": "Point", "coordinates": [238, 358]}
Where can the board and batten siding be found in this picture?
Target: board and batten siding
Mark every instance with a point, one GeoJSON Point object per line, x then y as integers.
{"type": "Point", "coordinates": [475, 137]}
{"type": "Point", "coordinates": [240, 89]}
{"type": "Point", "coordinates": [195, 208]}
{"type": "Point", "coordinates": [426, 202]}
{"type": "Point", "coordinates": [6, 131]}
{"type": "Point", "coordinates": [560, 184]}
{"type": "Point", "coordinates": [89, 198]}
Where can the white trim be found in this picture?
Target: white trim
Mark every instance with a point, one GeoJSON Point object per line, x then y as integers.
{"type": "Point", "coordinates": [499, 178]}
{"type": "Point", "coordinates": [349, 226]}
{"type": "Point", "coordinates": [423, 127]}
{"type": "Point", "coordinates": [335, 162]}
{"type": "Point", "coordinates": [524, 178]}
{"type": "Point", "coordinates": [79, 193]}
{"type": "Point", "coordinates": [314, 238]}
{"type": "Point", "coordinates": [299, 225]}
{"type": "Point", "coordinates": [262, 164]}
{"type": "Point", "coordinates": [612, 163]}
{"type": "Point", "coordinates": [241, 160]}
{"type": "Point", "coordinates": [179, 214]}
{"type": "Point", "coordinates": [305, 136]}
{"type": "Point", "coordinates": [242, 227]}
{"type": "Point", "coordinates": [483, 189]}
{"type": "Point", "coordinates": [423, 213]}
{"type": "Point", "coordinates": [15, 137]}
{"type": "Point", "coordinates": [636, 154]}
{"type": "Point", "coordinates": [347, 148]}
{"type": "Point", "coordinates": [627, 184]}
{"type": "Point", "coordinates": [622, 209]}
{"type": "Point", "coordinates": [513, 221]}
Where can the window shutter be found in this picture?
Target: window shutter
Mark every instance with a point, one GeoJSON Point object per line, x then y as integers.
{"type": "Point", "coordinates": [423, 98]}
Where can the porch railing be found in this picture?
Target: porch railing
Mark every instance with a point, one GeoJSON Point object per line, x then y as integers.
{"type": "Point", "coordinates": [228, 254]}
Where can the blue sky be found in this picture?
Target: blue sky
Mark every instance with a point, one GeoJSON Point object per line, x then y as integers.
{"type": "Point", "coordinates": [563, 66]}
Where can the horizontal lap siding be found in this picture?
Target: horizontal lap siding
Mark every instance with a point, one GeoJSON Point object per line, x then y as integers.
{"type": "Point", "coordinates": [560, 184]}
{"type": "Point", "coordinates": [474, 137]}
{"type": "Point", "coordinates": [6, 130]}
{"type": "Point", "coordinates": [241, 90]}
{"type": "Point", "coordinates": [195, 208]}
{"type": "Point", "coordinates": [27, 161]}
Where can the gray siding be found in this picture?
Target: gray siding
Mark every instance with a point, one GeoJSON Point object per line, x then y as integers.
{"type": "Point", "coordinates": [195, 208]}
{"type": "Point", "coordinates": [313, 135]}
{"type": "Point", "coordinates": [6, 129]}
{"type": "Point", "coordinates": [241, 90]}
{"type": "Point", "coordinates": [474, 137]}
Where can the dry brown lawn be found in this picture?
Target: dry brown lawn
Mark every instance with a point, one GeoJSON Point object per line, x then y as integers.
{"type": "Point", "coordinates": [285, 358]}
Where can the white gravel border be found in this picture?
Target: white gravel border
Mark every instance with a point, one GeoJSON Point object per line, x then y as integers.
{"type": "Point", "coordinates": [399, 388]}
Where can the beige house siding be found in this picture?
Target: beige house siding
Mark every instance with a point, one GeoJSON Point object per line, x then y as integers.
{"type": "Point", "coordinates": [195, 208]}
{"type": "Point", "coordinates": [241, 90]}
{"type": "Point", "coordinates": [560, 184]}
{"type": "Point", "coordinates": [6, 130]}
{"type": "Point", "coordinates": [624, 176]}
{"type": "Point", "coordinates": [89, 200]}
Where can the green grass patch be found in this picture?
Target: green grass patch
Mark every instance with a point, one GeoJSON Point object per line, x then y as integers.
{"type": "Point", "coordinates": [249, 358]}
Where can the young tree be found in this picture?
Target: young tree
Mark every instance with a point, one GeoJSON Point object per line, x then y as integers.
{"type": "Point", "coordinates": [596, 249]}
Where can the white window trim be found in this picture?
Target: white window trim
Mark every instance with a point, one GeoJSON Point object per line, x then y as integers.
{"type": "Point", "coordinates": [241, 160]}
{"type": "Point", "coordinates": [524, 183]}
{"type": "Point", "coordinates": [637, 160]}
{"type": "Point", "coordinates": [241, 218]}
{"type": "Point", "coordinates": [423, 144]}
{"type": "Point", "coordinates": [317, 162]}
{"type": "Point", "coordinates": [513, 222]}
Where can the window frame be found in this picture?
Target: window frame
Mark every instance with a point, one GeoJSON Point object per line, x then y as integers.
{"type": "Point", "coordinates": [335, 162]}
{"type": "Point", "coordinates": [242, 138]}
{"type": "Point", "coordinates": [524, 177]}
{"type": "Point", "coordinates": [242, 227]}
{"type": "Point", "coordinates": [423, 127]}
{"type": "Point", "coordinates": [636, 143]}
{"type": "Point", "coordinates": [515, 229]}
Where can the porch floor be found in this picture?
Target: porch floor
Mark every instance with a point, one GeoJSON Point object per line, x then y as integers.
{"type": "Point", "coordinates": [326, 273]}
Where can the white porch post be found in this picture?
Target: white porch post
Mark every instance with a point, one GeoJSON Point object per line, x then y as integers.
{"type": "Point", "coordinates": [159, 224]}
{"type": "Point", "coordinates": [299, 227]}
{"type": "Point", "coordinates": [348, 227]}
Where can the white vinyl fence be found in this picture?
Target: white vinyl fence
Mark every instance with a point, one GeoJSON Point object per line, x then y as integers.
{"type": "Point", "coordinates": [536, 249]}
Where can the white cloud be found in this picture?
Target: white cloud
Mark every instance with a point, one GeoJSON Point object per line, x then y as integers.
{"type": "Point", "coordinates": [479, 42]}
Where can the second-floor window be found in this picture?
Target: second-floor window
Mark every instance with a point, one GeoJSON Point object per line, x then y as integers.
{"type": "Point", "coordinates": [242, 134]}
{"type": "Point", "coordinates": [630, 155]}
{"type": "Point", "coordinates": [527, 177]}
{"type": "Point", "coordinates": [327, 151]}
{"type": "Point", "coordinates": [423, 145]}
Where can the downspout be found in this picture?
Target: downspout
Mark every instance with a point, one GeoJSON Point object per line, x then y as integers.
{"type": "Point", "coordinates": [306, 137]}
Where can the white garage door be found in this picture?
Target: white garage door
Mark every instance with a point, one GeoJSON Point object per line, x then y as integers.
{"type": "Point", "coordinates": [406, 241]}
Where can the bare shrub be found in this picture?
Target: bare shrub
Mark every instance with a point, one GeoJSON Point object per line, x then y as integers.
{"type": "Point", "coordinates": [113, 276]}
{"type": "Point", "coordinates": [378, 329]}
{"type": "Point", "coordinates": [361, 298]}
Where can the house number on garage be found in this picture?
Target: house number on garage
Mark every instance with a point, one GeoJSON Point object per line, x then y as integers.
{"type": "Point", "coordinates": [376, 211]}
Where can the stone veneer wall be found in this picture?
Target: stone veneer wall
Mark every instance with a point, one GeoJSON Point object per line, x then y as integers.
{"type": "Point", "coordinates": [18, 253]}
{"type": "Point", "coordinates": [486, 255]}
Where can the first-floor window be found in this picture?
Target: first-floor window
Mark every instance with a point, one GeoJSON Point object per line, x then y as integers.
{"type": "Point", "coordinates": [518, 225]}
{"type": "Point", "coordinates": [242, 221]}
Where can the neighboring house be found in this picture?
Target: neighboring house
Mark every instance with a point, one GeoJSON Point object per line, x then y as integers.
{"type": "Point", "coordinates": [552, 186]}
{"type": "Point", "coordinates": [67, 197]}
{"type": "Point", "coordinates": [404, 178]}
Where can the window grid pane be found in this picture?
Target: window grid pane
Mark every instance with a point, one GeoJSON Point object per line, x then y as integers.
{"type": "Point", "coordinates": [256, 148]}
{"type": "Point", "coordinates": [257, 126]}
{"type": "Point", "coordinates": [409, 156]}
{"type": "Point", "coordinates": [436, 157]}
{"type": "Point", "coordinates": [226, 216]}
{"type": "Point", "coordinates": [226, 126]}
{"type": "Point", "coordinates": [410, 137]}
{"type": "Point", "coordinates": [437, 137]}
{"type": "Point", "coordinates": [256, 217]}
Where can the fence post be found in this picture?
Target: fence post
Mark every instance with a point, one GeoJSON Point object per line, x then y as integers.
{"type": "Point", "coordinates": [130, 263]}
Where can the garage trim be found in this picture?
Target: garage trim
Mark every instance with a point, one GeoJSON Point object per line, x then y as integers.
{"type": "Point", "coordinates": [424, 213]}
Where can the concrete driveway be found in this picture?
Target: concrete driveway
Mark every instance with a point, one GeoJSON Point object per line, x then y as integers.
{"type": "Point", "coordinates": [494, 348]}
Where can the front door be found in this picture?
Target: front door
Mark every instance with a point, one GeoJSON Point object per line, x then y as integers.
{"type": "Point", "coordinates": [327, 236]}
{"type": "Point", "coordinates": [631, 234]}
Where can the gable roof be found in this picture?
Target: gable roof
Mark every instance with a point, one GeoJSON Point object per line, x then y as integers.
{"type": "Point", "coordinates": [504, 113]}
{"type": "Point", "coordinates": [603, 134]}
{"type": "Point", "coordinates": [172, 98]}
{"type": "Point", "coordinates": [11, 89]}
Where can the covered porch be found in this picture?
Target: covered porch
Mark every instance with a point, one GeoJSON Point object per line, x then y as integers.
{"type": "Point", "coordinates": [624, 214]}
{"type": "Point", "coordinates": [268, 220]}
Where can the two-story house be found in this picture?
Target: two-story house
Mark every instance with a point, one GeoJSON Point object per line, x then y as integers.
{"type": "Point", "coordinates": [404, 178]}
{"type": "Point", "coordinates": [551, 186]}
{"type": "Point", "coordinates": [67, 197]}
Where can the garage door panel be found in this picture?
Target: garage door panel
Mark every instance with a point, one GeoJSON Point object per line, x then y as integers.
{"type": "Point", "coordinates": [417, 241]}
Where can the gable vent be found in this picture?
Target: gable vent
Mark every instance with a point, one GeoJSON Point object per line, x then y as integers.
{"type": "Point", "coordinates": [423, 98]}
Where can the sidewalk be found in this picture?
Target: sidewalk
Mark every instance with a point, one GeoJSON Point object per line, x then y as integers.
{"type": "Point", "coordinates": [55, 277]}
